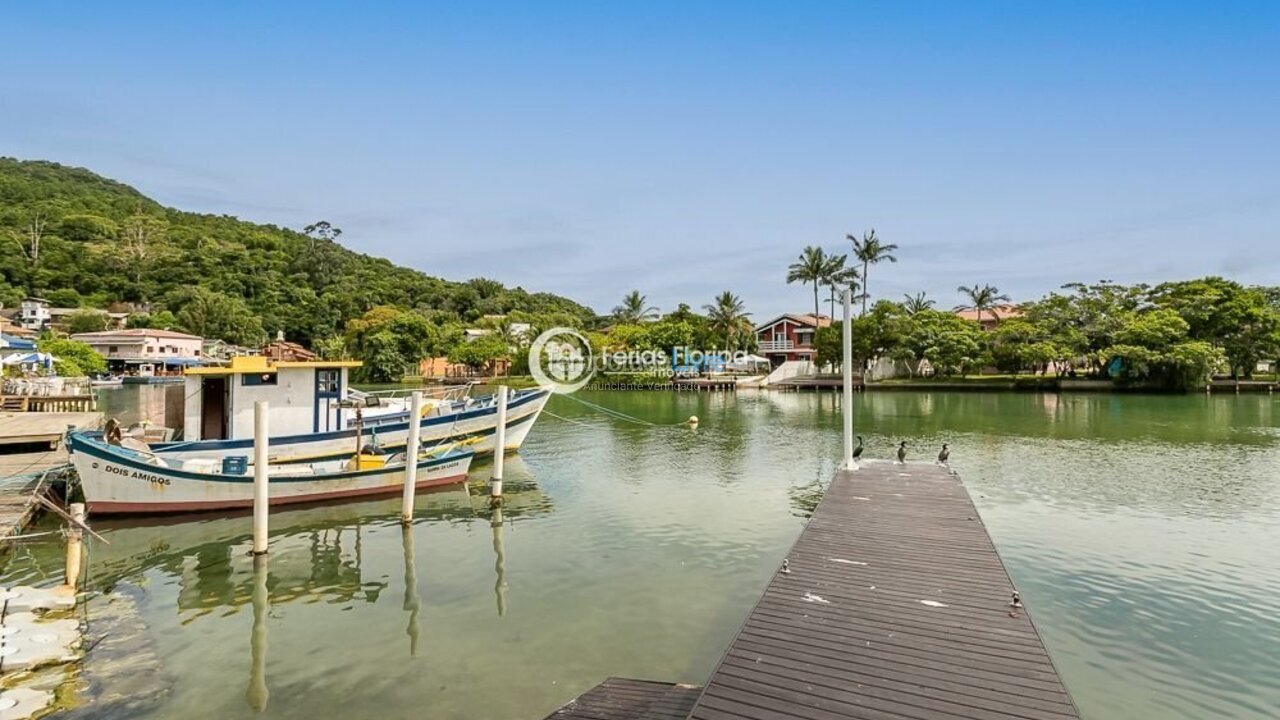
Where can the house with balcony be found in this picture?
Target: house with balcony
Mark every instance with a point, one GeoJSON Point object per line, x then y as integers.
{"type": "Point", "coordinates": [145, 351]}
{"type": "Point", "coordinates": [789, 337]}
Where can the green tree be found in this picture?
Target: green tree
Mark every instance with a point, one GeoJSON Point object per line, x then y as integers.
{"type": "Point", "coordinates": [870, 251]}
{"type": "Point", "coordinates": [390, 342]}
{"type": "Point", "coordinates": [810, 268]}
{"type": "Point", "coordinates": [917, 303]}
{"type": "Point", "coordinates": [83, 321]}
{"type": "Point", "coordinates": [162, 320]}
{"type": "Point", "coordinates": [730, 322]}
{"type": "Point", "coordinates": [634, 309]}
{"type": "Point", "coordinates": [836, 275]}
{"type": "Point", "coordinates": [1241, 321]}
{"type": "Point", "coordinates": [983, 299]}
{"type": "Point", "coordinates": [215, 315]}
{"type": "Point", "coordinates": [73, 358]}
{"type": "Point", "coordinates": [478, 353]}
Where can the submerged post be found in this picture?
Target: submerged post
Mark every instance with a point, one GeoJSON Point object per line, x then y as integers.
{"type": "Point", "coordinates": [499, 443]}
{"type": "Point", "coordinates": [261, 462]}
{"type": "Point", "coordinates": [411, 457]}
{"type": "Point", "coordinates": [75, 546]}
{"type": "Point", "coordinates": [848, 379]}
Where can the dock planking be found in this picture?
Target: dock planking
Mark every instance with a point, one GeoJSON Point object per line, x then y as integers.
{"type": "Point", "coordinates": [627, 699]}
{"type": "Point", "coordinates": [896, 607]}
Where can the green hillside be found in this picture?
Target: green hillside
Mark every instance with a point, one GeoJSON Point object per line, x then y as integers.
{"type": "Point", "coordinates": [80, 239]}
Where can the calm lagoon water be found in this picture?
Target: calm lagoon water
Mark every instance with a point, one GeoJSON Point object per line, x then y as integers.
{"type": "Point", "coordinates": [1142, 532]}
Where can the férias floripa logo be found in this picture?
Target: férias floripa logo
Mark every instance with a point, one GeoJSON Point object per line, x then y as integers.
{"type": "Point", "coordinates": [560, 359]}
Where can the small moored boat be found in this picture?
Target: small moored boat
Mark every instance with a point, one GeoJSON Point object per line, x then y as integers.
{"type": "Point", "coordinates": [129, 478]}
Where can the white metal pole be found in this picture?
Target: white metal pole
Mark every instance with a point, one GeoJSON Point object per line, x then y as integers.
{"type": "Point", "coordinates": [499, 443]}
{"type": "Point", "coordinates": [848, 379]}
{"type": "Point", "coordinates": [261, 462]}
{"type": "Point", "coordinates": [411, 456]}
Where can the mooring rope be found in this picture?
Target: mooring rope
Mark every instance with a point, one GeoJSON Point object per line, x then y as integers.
{"type": "Point", "coordinates": [618, 414]}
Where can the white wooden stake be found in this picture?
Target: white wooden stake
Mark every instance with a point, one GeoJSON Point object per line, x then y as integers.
{"type": "Point", "coordinates": [75, 545]}
{"type": "Point", "coordinates": [261, 463]}
{"type": "Point", "coordinates": [848, 380]}
{"type": "Point", "coordinates": [499, 443]}
{"type": "Point", "coordinates": [411, 457]}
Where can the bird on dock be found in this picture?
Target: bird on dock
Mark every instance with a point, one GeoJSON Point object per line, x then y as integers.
{"type": "Point", "coordinates": [857, 452]}
{"type": "Point", "coordinates": [902, 452]}
{"type": "Point", "coordinates": [944, 454]}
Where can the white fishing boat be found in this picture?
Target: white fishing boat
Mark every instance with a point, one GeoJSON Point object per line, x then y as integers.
{"type": "Point", "coordinates": [316, 415]}
{"type": "Point", "coordinates": [130, 478]}
{"type": "Point", "coordinates": [107, 381]}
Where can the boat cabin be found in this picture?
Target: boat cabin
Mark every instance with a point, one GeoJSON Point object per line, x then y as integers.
{"type": "Point", "coordinates": [304, 397]}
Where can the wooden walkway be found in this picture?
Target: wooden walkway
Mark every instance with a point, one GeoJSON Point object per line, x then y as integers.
{"type": "Point", "coordinates": [895, 607]}
{"type": "Point", "coordinates": [625, 699]}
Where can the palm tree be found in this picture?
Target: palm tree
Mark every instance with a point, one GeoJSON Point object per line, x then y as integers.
{"type": "Point", "coordinates": [809, 269]}
{"type": "Point", "coordinates": [917, 303]}
{"type": "Point", "coordinates": [870, 251]}
{"type": "Point", "coordinates": [634, 309]}
{"type": "Point", "coordinates": [728, 318]}
{"type": "Point", "coordinates": [837, 275]}
{"type": "Point", "coordinates": [982, 298]}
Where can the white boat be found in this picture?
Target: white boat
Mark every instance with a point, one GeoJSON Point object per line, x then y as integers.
{"type": "Point", "coordinates": [107, 381]}
{"type": "Point", "coordinates": [129, 478]}
{"type": "Point", "coordinates": [315, 415]}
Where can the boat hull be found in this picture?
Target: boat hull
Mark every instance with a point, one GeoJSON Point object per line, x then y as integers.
{"type": "Point", "coordinates": [114, 483]}
{"type": "Point", "coordinates": [391, 432]}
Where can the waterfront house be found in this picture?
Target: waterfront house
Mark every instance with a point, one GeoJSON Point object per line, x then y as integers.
{"type": "Point", "coordinates": [223, 351]}
{"type": "Point", "coordinates": [440, 368]}
{"type": "Point", "coordinates": [12, 329]}
{"type": "Point", "coordinates": [991, 318]}
{"type": "Point", "coordinates": [789, 337]}
{"type": "Point", "coordinates": [285, 351]}
{"type": "Point", "coordinates": [144, 351]}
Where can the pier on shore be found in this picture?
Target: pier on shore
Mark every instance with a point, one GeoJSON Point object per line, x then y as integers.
{"type": "Point", "coordinates": [30, 444]}
{"type": "Point", "coordinates": [893, 603]}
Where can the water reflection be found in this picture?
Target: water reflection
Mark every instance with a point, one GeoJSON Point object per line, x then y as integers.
{"type": "Point", "coordinates": [412, 602]}
{"type": "Point", "coordinates": [500, 561]}
{"type": "Point", "coordinates": [258, 693]}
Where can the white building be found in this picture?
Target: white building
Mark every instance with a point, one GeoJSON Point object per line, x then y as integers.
{"type": "Point", "coordinates": [144, 348]}
{"type": "Point", "coordinates": [33, 314]}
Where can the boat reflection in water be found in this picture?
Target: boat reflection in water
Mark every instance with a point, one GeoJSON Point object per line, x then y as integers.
{"type": "Point", "coordinates": [317, 555]}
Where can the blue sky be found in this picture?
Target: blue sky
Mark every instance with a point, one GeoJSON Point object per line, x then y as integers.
{"type": "Point", "coordinates": [687, 148]}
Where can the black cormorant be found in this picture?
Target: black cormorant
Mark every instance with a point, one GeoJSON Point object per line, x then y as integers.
{"type": "Point", "coordinates": [944, 454]}
{"type": "Point", "coordinates": [857, 452]}
{"type": "Point", "coordinates": [902, 452]}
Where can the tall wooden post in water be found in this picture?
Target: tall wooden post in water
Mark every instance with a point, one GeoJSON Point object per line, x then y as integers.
{"type": "Point", "coordinates": [261, 463]}
{"type": "Point", "coordinates": [75, 546]}
{"type": "Point", "coordinates": [499, 444]}
{"type": "Point", "coordinates": [848, 379]}
{"type": "Point", "coordinates": [411, 457]}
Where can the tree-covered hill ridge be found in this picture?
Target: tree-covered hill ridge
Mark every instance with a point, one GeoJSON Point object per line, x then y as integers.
{"type": "Point", "coordinates": [79, 239]}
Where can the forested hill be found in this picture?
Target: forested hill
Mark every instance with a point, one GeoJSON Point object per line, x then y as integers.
{"type": "Point", "coordinates": [79, 239]}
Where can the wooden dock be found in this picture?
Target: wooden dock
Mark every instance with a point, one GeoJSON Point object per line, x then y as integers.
{"type": "Point", "coordinates": [626, 699]}
{"type": "Point", "coordinates": [893, 605]}
{"type": "Point", "coordinates": [37, 439]}
{"type": "Point", "coordinates": [42, 428]}
{"type": "Point", "coordinates": [896, 606]}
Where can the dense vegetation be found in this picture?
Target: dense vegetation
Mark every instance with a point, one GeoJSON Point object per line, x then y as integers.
{"type": "Point", "coordinates": [81, 240]}
{"type": "Point", "coordinates": [1173, 335]}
